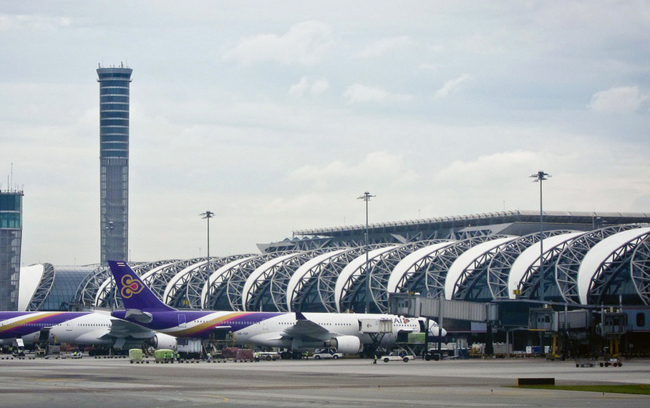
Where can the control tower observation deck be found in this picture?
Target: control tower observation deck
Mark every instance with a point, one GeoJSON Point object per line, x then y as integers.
{"type": "Point", "coordinates": [114, 83]}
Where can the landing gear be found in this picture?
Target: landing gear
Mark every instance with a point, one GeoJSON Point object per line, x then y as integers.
{"type": "Point", "coordinates": [369, 350]}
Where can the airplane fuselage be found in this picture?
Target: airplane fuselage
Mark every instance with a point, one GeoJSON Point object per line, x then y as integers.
{"type": "Point", "coordinates": [272, 329]}
{"type": "Point", "coordinates": [88, 328]}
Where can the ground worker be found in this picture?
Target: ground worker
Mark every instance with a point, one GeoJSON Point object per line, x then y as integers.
{"type": "Point", "coordinates": [375, 359]}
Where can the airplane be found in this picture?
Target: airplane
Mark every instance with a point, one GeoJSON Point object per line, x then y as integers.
{"type": "Point", "coordinates": [81, 328]}
{"type": "Point", "coordinates": [296, 332]}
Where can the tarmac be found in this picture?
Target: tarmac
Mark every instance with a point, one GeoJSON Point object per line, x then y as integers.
{"type": "Point", "coordinates": [92, 382]}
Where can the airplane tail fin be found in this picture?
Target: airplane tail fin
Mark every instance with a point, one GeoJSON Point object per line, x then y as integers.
{"type": "Point", "coordinates": [134, 293]}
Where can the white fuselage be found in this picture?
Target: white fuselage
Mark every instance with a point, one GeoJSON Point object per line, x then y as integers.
{"type": "Point", "coordinates": [269, 333]}
{"type": "Point", "coordinates": [87, 329]}
{"type": "Point", "coordinates": [287, 330]}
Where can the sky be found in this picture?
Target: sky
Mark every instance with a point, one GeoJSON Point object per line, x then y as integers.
{"type": "Point", "coordinates": [278, 115]}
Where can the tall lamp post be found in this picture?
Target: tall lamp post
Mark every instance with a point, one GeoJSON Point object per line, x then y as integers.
{"type": "Point", "coordinates": [366, 197]}
{"type": "Point", "coordinates": [540, 177]}
{"type": "Point", "coordinates": [206, 216]}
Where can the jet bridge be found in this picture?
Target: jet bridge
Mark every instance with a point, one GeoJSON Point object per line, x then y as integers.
{"type": "Point", "coordinates": [439, 309]}
{"type": "Point", "coordinates": [376, 329]}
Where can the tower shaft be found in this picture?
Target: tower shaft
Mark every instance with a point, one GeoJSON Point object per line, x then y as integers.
{"type": "Point", "coordinates": [114, 89]}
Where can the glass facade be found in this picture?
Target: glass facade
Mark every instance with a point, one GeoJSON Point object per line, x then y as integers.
{"type": "Point", "coordinates": [114, 88]}
{"type": "Point", "coordinates": [11, 207]}
{"type": "Point", "coordinates": [65, 286]}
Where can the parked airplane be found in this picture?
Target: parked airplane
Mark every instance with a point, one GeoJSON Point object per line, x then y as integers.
{"type": "Point", "coordinates": [82, 328]}
{"type": "Point", "coordinates": [293, 331]}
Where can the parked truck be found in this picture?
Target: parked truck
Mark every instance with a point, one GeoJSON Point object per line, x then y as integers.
{"type": "Point", "coordinates": [189, 348]}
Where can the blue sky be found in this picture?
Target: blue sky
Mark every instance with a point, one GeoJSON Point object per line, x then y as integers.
{"type": "Point", "coordinates": [277, 115]}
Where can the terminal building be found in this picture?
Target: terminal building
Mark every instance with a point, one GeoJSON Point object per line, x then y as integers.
{"type": "Point", "coordinates": [579, 259]}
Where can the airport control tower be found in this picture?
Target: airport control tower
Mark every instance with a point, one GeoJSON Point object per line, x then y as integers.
{"type": "Point", "coordinates": [114, 83]}
{"type": "Point", "coordinates": [11, 232]}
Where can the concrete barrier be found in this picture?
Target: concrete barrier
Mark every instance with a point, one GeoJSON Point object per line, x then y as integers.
{"type": "Point", "coordinates": [535, 381]}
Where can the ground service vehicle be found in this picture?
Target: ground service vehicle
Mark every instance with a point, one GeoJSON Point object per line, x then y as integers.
{"type": "Point", "coordinates": [327, 353]}
{"type": "Point", "coordinates": [164, 356]}
{"type": "Point", "coordinates": [398, 356]}
{"type": "Point", "coordinates": [135, 355]}
{"type": "Point", "coordinates": [268, 355]}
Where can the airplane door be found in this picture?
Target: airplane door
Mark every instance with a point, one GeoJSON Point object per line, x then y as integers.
{"type": "Point", "coordinates": [265, 325]}
{"type": "Point", "coordinates": [181, 320]}
{"type": "Point", "coordinates": [68, 326]}
{"type": "Point", "coordinates": [423, 326]}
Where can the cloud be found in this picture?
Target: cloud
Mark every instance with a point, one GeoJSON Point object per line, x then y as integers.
{"type": "Point", "coordinates": [358, 93]}
{"type": "Point", "coordinates": [377, 165]}
{"type": "Point", "coordinates": [486, 169]}
{"type": "Point", "coordinates": [316, 88]}
{"type": "Point", "coordinates": [305, 44]}
{"type": "Point", "coordinates": [428, 67]}
{"type": "Point", "coordinates": [22, 22]}
{"type": "Point", "coordinates": [623, 100]}
{"type": "Point", "coordinates": [299, 88]}
{"type": "Point", "coordinates": [319, 86]}
{"type": "Point", "coordinates": [452, 86]}
{"type": "Point", "coordinates": [381, 47]}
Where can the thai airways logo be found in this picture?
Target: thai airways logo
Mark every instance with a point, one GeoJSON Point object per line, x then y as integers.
{"type": "Point", "coordinates": [130, 287]}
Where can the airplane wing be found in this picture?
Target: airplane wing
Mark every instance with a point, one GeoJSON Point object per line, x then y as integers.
{"type": "Point", "coordinates": [122, 329]}
{"type": "Point", "coordinates": [305, 328]}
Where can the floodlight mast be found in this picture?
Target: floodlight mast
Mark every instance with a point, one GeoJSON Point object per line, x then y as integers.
{"type": "Point", "coordinates": [206, 216]}
{"type": "Point", "coordinates": [366, 197]}
{"type": "Point", "coordinates": [540, 177]}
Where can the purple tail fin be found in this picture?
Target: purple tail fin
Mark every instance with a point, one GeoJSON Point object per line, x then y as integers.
{"type": "Point", "coordinates": [134, 293]}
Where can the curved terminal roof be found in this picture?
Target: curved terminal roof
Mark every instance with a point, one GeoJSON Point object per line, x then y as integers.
{"type": "Point", "coordinates": [640, 264]}
{"type": "Point", "coordinates": [30, 277]}
{"type": "Point", "coordinates": [598, 255]}
{"type": "Point", "coordinates": [317, 293]}
{"type": "Point", "coordinates": [218, 279]}
{"type": "Point", "coordinates": [569, 259]}
{"type": "Point", "coordinates": [177, 281]}
{"type": "Point", "coordinates": [259, 273]}
{"type": "Point", "coordinates": [353, 271]}
{"type": "Point", "coordinates": [530, 258]}
{"type": "Point", "coordinates": [307, 271]}
{"type": "Point", "coordinates": [411, 264]}
{"type": "Point", "coordinates": [465, 260]}
{"type": "Point", "coordinates": [552, 248]}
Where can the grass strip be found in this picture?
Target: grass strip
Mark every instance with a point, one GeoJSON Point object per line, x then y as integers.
{"type": "Point", "coordinates": [643, 389]}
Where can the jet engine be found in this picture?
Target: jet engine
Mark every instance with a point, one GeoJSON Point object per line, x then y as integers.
{"type": "Point", "coordinates": [345, 344]}
{"type": "Point", "coordinates": [162, 341]}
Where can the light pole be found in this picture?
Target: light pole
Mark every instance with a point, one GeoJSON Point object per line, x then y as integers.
{"type": "Point", "coordinates": [206, 216]}
{"type": "Point", "coordinates": [539, 177]}
{"type": "Point", "coordinates": [366, 197]}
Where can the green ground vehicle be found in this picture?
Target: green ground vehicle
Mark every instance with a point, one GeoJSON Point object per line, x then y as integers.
{"type": "Point", "coordinates": [135, 355]}
{"type": "Point", "coordinates": [164, 356]}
